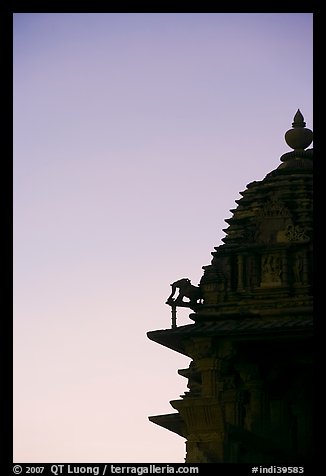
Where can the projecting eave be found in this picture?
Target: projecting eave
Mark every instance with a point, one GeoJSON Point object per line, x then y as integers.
{"type": "Point", "coordinates": [172, 338]}
{"type": "Point", "coordinates": [172, 422]}
{"type": "Point", "coordinates": [240, 329]}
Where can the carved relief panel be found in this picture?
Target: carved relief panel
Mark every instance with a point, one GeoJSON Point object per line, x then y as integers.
{"type": "Point", "coordinates": [272, 223]}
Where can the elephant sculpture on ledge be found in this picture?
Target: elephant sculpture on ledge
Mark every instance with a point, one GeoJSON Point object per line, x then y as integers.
{"type": "Point", "coordinates": [187, 290]}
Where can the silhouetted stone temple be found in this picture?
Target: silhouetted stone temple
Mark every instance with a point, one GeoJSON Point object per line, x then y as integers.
{"type": "Point", "coordinates": [249, 395]}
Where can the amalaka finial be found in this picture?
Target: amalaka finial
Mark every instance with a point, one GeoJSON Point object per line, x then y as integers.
{"type": "Point", "coordinates": [299, 137]}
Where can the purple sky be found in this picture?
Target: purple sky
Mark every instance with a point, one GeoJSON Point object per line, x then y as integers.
{"type": "Point", "coordinates": [133, 136]}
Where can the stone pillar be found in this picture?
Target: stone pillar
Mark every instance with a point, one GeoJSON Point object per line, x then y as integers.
{"type": "Point", "coordinates": [256, 407]}
{"type": "Point", "coordinates": [208, 367]}
{"type": "Point", "coordinates": [284, 274]}
{"type": "Point", "coordinates": [240, 273]}
{"type": "Point", "coordinates": [305, 271]}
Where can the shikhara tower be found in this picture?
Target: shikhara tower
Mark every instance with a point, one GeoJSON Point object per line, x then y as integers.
{"type": "Point", "coordinates": [249, 395]}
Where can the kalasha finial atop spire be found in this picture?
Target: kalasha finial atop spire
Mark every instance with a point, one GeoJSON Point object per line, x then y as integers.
{"type": "Point", "coordinates": [298, 138]}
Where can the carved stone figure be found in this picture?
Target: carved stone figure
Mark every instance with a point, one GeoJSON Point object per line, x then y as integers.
{"type": "Point", "coordinates": [271, 269]}
{"type": "Point", "coordinates": [187, 290]}
{"type": "Point", "coordinates": [298, 268]}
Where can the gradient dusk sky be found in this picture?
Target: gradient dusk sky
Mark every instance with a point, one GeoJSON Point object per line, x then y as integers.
{"type": "Point", "coordinates": [133, 135]}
